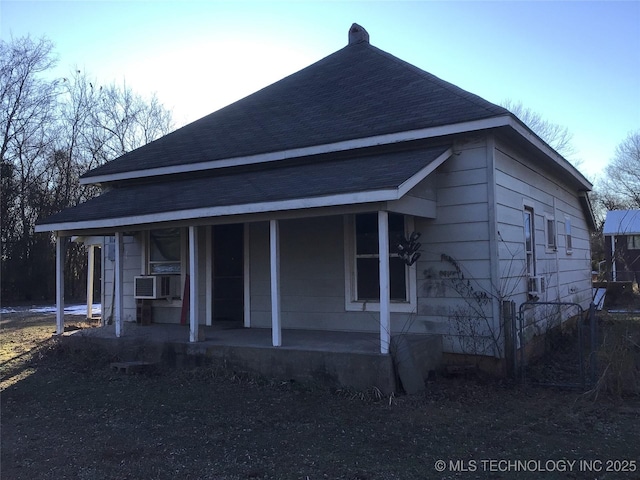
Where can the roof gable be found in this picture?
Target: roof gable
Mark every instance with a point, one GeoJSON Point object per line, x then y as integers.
{"type": "Point", "coordinates": [359, 91]}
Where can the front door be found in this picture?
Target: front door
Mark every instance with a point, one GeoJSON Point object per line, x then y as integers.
{"type": "Point", "coordinates": [228, 270]}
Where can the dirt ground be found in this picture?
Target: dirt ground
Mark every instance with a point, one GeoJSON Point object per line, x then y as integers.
{"type": "Point", "coordinates": [67, 414]}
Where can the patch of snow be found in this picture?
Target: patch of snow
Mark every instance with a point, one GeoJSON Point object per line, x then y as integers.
{"type": "Point", "coordinates": [68, 310]}
{"type": "Point", "coordinates": [82, 310]}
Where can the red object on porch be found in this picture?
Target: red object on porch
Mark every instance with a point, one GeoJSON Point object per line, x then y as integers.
{"type": "Point", "coordinates": [185, 301]}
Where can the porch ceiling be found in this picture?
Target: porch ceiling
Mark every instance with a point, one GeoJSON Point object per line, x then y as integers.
{"type": "Point", "coordinates": [240, 191]}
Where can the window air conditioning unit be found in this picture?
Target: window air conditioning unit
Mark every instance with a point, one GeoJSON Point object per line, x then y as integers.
{"type": "Point", "coordinates": [536, 285]}
{"type": "Point", "coordinates": [151, 287]}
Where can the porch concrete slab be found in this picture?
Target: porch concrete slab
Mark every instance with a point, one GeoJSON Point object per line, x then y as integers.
{"type": "Point", "coordinates": [228, 335]}
{"type": "Point", "coordinates": [340, 359]}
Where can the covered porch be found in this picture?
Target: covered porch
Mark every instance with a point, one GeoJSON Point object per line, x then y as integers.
{"type": "Point", "coordinates": [262, 278]}
{"type": "Point", "coordinates": [266, 202]}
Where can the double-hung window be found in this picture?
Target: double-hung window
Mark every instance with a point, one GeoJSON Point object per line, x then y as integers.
{"type": "Point", "coordinates": [567, 234]}
{"type": "Point", "coordinates": [550, 231]}
{"type": "Point", "coordinates": [363, 264]}
{"type": "Point", "coordinates": [529, 242]}
{"type": "Point", "coordinates": [165, 252]}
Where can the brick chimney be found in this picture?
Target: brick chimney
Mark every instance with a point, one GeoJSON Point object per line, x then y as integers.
{"type": "Point", "coordinates": [357, 34]}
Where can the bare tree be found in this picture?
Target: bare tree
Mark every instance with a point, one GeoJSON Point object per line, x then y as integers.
{"type": "Point", "coordinates": [51, 132]}
{"type": "Point", "coordinates": [96, 124]}
{"type": "Point", "coordinates": [619, 189]}
{"type": "Point", "coordinates": [25, 99]}
{"type": "Point", "coordinates": [124, 121]}
{"type": "Point", "coordinates": [27, 114]}
{"type": "Point", "coordinates": [623, 172]}
{"type": "Point", "coordinates": [104, 122]}
{"type": "Point", "coordinates": [557, 137]}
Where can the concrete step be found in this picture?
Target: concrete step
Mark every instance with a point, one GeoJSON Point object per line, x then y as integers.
{"type": "Point", "coordinates": [132, 367]}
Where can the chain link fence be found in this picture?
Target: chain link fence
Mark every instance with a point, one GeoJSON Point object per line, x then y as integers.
{"type": "Point", "coordinates": [551, 343]}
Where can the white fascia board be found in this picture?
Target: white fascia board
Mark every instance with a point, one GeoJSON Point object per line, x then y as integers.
{"type": "Point", "coordinates": [536, 141]}
{"type": "Point", "coordinates": [294, 204]}
{"type": "Point", "coordinates": [417, 207]}
{"type": "Point", "coordinates": [423, 173]}
{"type": "Point", "coordinates": [376, 140]}
{"type": "Point", "coordinates": [88, 240]}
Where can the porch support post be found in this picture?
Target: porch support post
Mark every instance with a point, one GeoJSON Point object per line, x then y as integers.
{"type": "Point", "coordinates": [60, 251]}
{"type": "Point", "coordinates": [274, 260]}
{"type": "Point", "coordinates": [208, 254]}
{"type": "Point", "coordinates": [90, 266]}
{"type": "Point", "coordinates": [118, 279]}
{"type": "Point", "coordinates": [247, 276]}
{"type": "Point", "coordinates": [385, 300]}
{"type": "Point", "coordinates": [193, 284]}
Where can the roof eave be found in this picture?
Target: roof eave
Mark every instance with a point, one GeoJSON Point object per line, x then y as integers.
{"type": "Point", "coordinates": [357, 143]}
{"type": "Point", "coordinates": [527, 134]}
{"type": "Point", "coordinates": [385, 194]}
{"type": "Point", "coordinates": [431, 132]}
{"type": "Point", "coordinates": [227, 210]}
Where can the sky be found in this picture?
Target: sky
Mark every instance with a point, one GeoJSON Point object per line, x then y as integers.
{"type": "Point", "coordinates": [576, 63]}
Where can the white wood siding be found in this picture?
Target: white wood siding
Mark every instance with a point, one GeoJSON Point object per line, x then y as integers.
{"type": "Point", "coordinates": [519, 182]}
{"type": "Point", "coordinates": [312, 252]}
{"type": "Point", "coordinates": [312, 278]}
{"type": "Point", "coordinates": [461, 231]}
{"type": "Point", "coordinates": [131, 259]}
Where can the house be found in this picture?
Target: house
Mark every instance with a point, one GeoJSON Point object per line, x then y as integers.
{"type": "Point", "coordinates": [622, 245]}
{"type": "Point", "coordinates": [273, 212]}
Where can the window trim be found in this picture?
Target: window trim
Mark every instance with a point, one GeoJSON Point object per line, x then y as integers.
{"type": "Point", "coordinates": [151, 262]}
{"type": "Point", "coordinates": [632, 244]}
{"type": "Point", "coordinates": [177, 279]}
{"type": "Point", "coordinates": [529, 268]}
{"type": "Point", "coordinates": [352, 305]}
{"type": "Point", "coordinates": [550, 228]}
{"type": "Point", "coordinates": [568, 241]}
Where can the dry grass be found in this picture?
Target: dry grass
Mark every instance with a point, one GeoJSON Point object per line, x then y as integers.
{"type": "Point", "coordinates": [619, 355]}
{"type": "Point", "coordinates": [66, 414]}
{"type": "Point", "coordinates": [27, 336]}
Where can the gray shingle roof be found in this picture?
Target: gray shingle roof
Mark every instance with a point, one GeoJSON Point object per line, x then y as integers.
{"type": "Point", "coordinates": [249, 185]}
{"type": "Point", "coordinates": [358, 91]}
